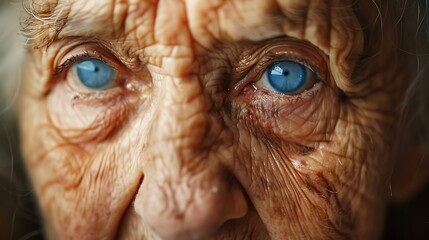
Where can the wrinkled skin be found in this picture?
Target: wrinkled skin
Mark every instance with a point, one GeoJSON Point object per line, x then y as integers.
{"type": "Point", "coordinates": [187, 146]}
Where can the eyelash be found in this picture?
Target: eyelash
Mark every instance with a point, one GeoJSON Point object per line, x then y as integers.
{"type": "Point", "coordinates": [67, 64]}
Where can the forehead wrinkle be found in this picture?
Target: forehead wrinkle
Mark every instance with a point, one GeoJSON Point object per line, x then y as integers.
{"type": "Point", "coordinates": [45, 23]}
{"type": "Point", "coordinates": [93, 18]}
{"type": "Point", "coordinates": [255, 21]}
{"type": "Point", "coordinates": [86, 19]}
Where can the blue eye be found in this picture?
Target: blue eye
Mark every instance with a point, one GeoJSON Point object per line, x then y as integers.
{"type": "Point", "coordinates": [95, 74]}
{"type": "Point", "coordinates": [287, 77]}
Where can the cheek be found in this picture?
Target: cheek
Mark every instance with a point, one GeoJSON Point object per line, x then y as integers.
{"type": "Point", "coordinates": [313, 191]}
{"type": "Point", "coordinates": [315, 164]}
{"type": "Point", "coordinates": [86, 191]}
{"type": "Point", "coordinates": [82, 189]}
{"type": "Point", "coordinates": [306, 120]}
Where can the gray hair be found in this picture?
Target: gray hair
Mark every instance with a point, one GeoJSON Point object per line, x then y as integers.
{"type": "Point", "coordinates": [415, 43]}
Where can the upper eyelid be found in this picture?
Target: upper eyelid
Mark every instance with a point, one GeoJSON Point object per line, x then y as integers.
{"type": "Point", "coordinates": [118, 55]}
{"type": "Point", "coordinates": [89, 50]}
{"type": "Point", "coordinates": [274, 57]}
{"type": "Point", "coordinates": [74, 58]}
{"type": "Point", "coordinates": [288, 46]}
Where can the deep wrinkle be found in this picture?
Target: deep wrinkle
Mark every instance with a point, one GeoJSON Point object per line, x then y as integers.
{"type": "Point", "coordinates": [194, 130]}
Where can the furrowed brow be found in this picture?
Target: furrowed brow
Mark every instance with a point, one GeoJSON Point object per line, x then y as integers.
{"type": "Point", "coordinates": [43, 22]}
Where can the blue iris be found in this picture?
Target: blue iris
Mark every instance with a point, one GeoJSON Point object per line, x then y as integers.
{"type": "Point", "coordinates": [286, 76]}
{"type": "Point", "coordinates": [95, 74]}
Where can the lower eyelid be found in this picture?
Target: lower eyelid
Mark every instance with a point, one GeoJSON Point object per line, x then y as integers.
{"type": "Point", "coordinates": [84, 95]}
{"type": "Point", "coordinates": [86, 118]}
{"type": "Point", "coordinates": [263, 107]}
{"type": "Point", "coordinates": [291, 99]}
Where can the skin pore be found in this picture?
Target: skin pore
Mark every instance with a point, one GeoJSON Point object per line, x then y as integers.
{"type": "Point", "coordinates": [188, 143]}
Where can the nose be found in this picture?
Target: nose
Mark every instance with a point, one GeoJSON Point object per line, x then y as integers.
{"type": "Point", "coordinates": [187, 192]}
{"type": "Point", "coordinates": [188, 210]}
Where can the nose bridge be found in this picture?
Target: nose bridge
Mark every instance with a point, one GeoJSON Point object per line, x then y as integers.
{"type": "Point", "coordinates": [182, 116]}
{"type": "Point", "coordinates": [182, 123]}
{"type": "Point", "coordinates": [186, 191]}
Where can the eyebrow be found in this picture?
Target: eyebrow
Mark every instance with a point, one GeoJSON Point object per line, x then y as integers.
{"type": "Point", "coordinates": [43, 22]}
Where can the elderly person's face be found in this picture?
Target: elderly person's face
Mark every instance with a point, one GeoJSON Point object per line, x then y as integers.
{"type": "Point", "coordinates": [197, 119]}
